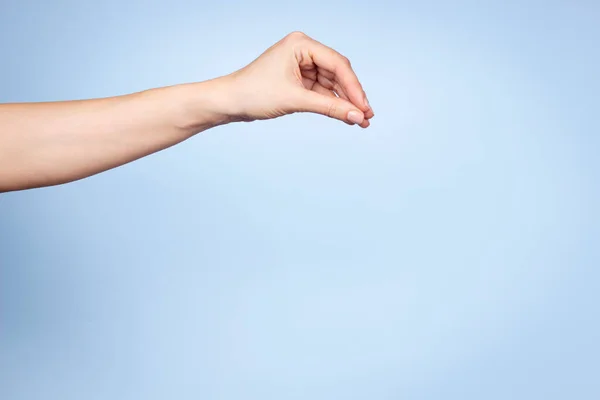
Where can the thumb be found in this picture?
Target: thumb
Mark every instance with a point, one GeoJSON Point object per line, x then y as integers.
{"type": "Point", "coordinates": [330, 106]}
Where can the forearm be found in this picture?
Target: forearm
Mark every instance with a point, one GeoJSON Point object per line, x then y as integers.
{"type": "Point", "coordinates": [44, 144]}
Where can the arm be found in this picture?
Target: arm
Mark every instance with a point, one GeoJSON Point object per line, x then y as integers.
{"type": "Point", "coordinates": [43, 144]}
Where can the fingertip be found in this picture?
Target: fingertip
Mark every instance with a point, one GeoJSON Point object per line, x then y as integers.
{"type": "Point", "coordinates": [369, 113]}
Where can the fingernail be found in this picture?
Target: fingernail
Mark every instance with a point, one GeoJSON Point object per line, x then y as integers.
{"type": "Point", "coordinates": [355, 117]}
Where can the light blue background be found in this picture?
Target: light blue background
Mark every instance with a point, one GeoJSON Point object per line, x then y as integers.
{"type": "Point", "coordinates": [451, 251]}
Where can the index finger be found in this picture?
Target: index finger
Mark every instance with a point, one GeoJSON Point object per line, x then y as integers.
{"type": "Point", "coordinates": [329, 59]}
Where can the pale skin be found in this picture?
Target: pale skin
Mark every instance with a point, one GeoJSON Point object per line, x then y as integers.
{"type": "Point", "coordinates": [46, 144]}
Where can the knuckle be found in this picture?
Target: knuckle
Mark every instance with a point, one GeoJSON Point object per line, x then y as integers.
{"type": "Point", "coordinates": [346, 61]}
{"type": "Point", "coordinates": [296, 35]}
{"type": "Point", "coordinates": [331, 110]}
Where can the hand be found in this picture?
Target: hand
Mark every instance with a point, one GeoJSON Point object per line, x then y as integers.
{"type": "Point", "coordinates": [47, 144]}
{"type": "Point", "coordinates": [298, 74]}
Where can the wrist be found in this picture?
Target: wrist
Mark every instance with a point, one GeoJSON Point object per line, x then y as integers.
{"type": "Point", "coordinates": [205, 104]}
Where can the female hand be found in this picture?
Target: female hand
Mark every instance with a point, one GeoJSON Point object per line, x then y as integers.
{"type": "Point", "coordinates": [43, 144]}
{"type": "Point", "coordinates": [298, 74]}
